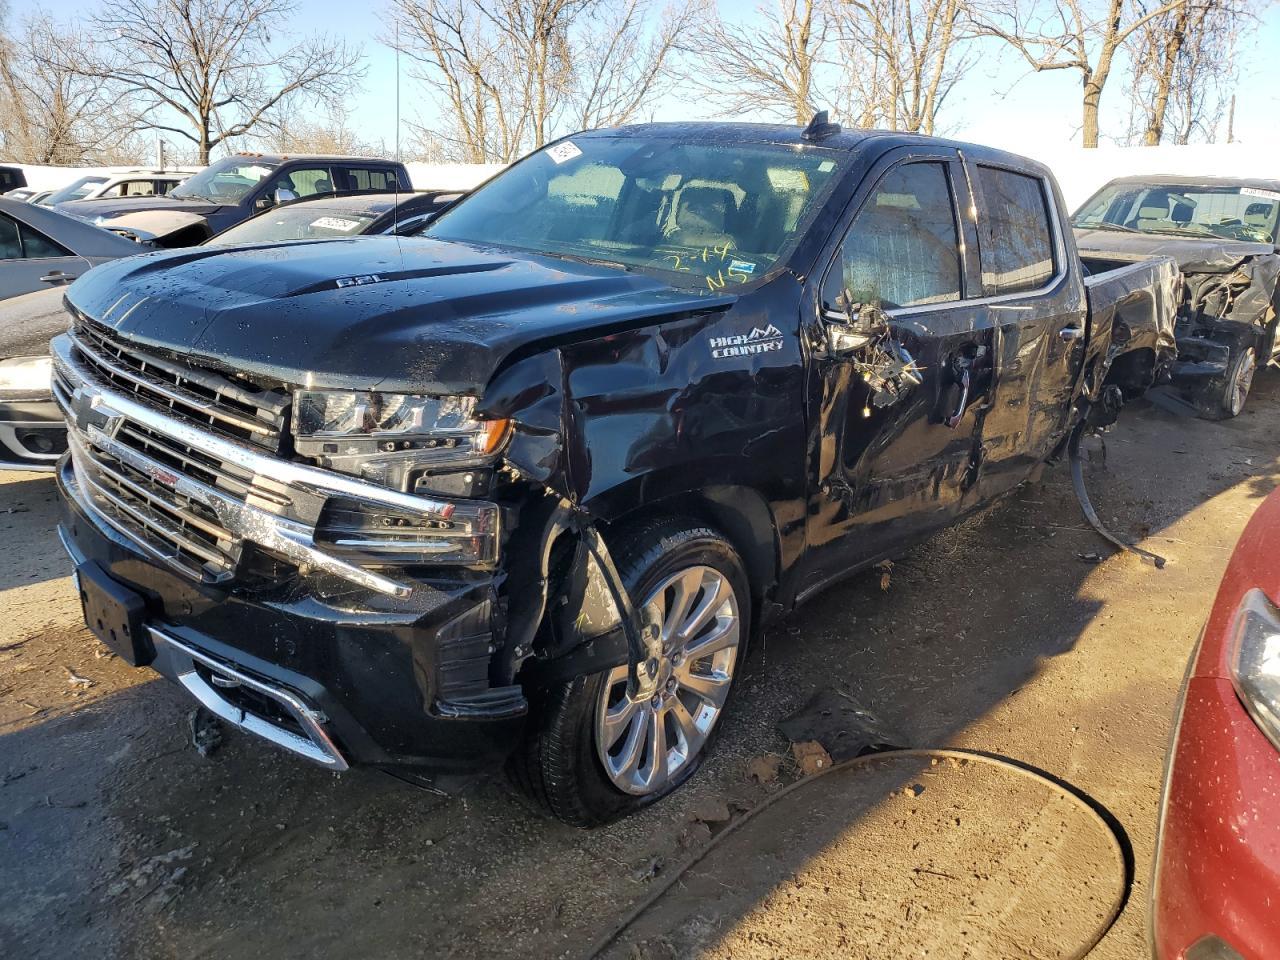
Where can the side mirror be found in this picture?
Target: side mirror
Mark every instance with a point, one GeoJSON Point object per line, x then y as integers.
{"type": "Point", "coordinates": [851, 326]}
{"type": "Point", "coordinates": [264, 203]}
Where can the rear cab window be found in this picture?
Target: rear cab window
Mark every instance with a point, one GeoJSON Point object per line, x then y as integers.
{"type": "Point", "coordinates": [374, 179]}
{"type": "Point", "coordinates": [1018, 248]}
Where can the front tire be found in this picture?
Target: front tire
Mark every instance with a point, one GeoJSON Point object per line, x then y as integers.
{"type": "Point", "coordinates": [594, 754]}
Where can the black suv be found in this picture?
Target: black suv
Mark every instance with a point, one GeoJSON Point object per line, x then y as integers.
{"type": "Point", "coordinates": [234, 189]}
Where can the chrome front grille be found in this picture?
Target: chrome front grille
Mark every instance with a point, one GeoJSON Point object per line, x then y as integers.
{"type": "Point", "coordinates": [233, 409]}
{"type": "Point", "coordinates": [187, 494]}
{"type": "Point", "coordinates": [171, 527]}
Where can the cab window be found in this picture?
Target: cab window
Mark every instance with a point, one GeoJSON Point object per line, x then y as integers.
{"type": "Point", "coordinates": [363, 178]}
{"type": "Point", "coordinates": [903, 248]}
{"type": "Point", "coordinates": [1017, 242]}
{"type": "Point", "coordinates": [305, 181]}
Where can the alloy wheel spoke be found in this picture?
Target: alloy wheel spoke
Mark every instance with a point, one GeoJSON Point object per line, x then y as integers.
{"type": "Point", "coordinates": [633, 750]}
{"type": "Point", "coordinates": [684, 591]}
{"type": "Point", "coordinates": [656, 753]}
{"type": "Point", "coordinates": [721, 637]}
{"type": "Point", "coordinates": [688, 728]}
{"type": "Point", "coordinates": [713, 599]}
{"type": "Point", "coordinates": [618, 719]}
{"type": "Point", "coordinates": [712, 688]}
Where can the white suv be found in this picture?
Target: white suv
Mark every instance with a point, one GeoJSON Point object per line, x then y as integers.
{"type": "Point", "coordinates": [134, 183]}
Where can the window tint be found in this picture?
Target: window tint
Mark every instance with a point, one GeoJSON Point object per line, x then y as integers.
{"type": "Point", "coordinates": [365, 179]}
{"type": "Point", "coordinates": [305, 181]}
{"type": "Point", "coordinates": [10, 248]}
{"type": "Point", "coordinates": [36, 246]}
{"type": "Point", "coordinates": [1017, 245]}
{"type": "Point", "coordinates": [902, 249]}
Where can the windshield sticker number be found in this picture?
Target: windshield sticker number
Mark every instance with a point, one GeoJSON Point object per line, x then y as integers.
{"type": "Point", "coordinates": [562, 152]}
{"type": "Point", "coordinates": [335, 223]}
{"type": "Point", "coordinates": [1264, 194]}
{"type": "Point", "coordinates": [739, 271]}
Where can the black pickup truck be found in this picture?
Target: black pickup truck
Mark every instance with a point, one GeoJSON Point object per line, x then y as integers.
{"type": "Point", "coordinates": [524, 487]}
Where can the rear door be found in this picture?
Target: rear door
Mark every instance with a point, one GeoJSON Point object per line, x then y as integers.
{"type": "Point", "coordinates": [30, 261]}
{"type": "Point", "coordinates": [368, 179]}
{"type": "Point", "coordinates": [1037, 308]}
{"type": "Point", "coordinates": [890, 473]}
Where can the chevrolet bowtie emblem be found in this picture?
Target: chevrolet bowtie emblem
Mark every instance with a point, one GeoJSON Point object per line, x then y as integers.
{"type": "Point", "coordinates": [89, 409]}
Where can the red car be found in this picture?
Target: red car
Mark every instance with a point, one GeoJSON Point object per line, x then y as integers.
{"type": "Point", "coordinates": [1216, 894]}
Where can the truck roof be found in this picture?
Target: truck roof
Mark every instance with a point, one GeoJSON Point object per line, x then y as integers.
{"type": "Point", "coordinates": [290, 157]}
{"type": "Point", "coordinates": [848, 138]}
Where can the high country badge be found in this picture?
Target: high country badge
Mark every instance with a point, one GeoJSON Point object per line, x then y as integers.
{"type": "Point", "coordinates": [759, 340]}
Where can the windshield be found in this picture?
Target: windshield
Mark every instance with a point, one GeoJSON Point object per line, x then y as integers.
{"type": "Point", "coordinates": [77, 190]}
{"type": "Point", "coordinates": [303, 221]}
{"type": "Point", "coordinates": [1229, 212]}
{"type": "Point", "coordinates": [703, 216]}
{"type": "Point", "coordinates": [227, 181]}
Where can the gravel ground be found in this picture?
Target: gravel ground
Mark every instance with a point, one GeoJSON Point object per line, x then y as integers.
{"type": "Point", "coordinates": [118, 840]}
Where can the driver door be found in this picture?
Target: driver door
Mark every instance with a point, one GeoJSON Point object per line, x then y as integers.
{"type": "Point", "coordinates": [888, 474]}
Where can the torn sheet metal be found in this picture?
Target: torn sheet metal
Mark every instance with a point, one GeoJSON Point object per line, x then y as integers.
{"type": "Point", "coordinates": [1132, 309]}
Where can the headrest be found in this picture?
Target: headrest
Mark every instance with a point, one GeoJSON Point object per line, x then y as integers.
{"type": "Point", "coordinates": [704, 208]}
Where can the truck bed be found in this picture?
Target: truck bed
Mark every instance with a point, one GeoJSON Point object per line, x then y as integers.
{"type": "Point", "coordinates": [1132, 311]}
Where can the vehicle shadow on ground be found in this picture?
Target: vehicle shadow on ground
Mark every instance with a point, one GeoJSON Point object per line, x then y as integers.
{"type": "Point", "coordinates": [123, 840]}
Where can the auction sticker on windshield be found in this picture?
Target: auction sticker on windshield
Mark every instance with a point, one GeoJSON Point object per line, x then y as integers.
{"type": "Point", "coordinates": [1255, 192]}
{"type": "Point", "coordinates": [563, 151]}
{"type": "Point", "coordinates": [335, 223]}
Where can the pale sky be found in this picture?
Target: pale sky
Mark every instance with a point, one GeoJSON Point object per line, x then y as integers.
{"type": "Point", "coordinates": [1000, 102]}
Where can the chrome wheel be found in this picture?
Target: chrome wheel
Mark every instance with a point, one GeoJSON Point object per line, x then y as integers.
{"type": "Point", "coordinates": [1239, 388]}
{"type": "Point", "coordinates": [647, 740]}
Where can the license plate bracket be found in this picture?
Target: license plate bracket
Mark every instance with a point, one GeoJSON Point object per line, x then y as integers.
{"type": "Point", "coordinates": [114, 614]}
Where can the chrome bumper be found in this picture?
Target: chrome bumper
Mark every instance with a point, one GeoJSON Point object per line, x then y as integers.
{"type": "Point", "coordinates": [179, 661]}
{"type": "Point", "coordinates": [96, 412]}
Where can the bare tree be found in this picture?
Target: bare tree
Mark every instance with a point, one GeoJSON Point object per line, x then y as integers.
{"type": "Point", "coordinates": [330, 134]}
{"type": "Point", "coordinates": [910, 54]}
{"type": "Point", "coordinates": [510, 75]}
{"type": "Point", "coordinates": [624, 62]}
{"type": "Point", "coordinates": [1183, 69]}
{"type": "Point", "coordinates": [774, 65]}
{"type": "Point", "coordinates": [209, 71]}
{"type": "Point", "coordinates": [51, 114]}
{"type": "Point", "coordinates": [1076, 36]}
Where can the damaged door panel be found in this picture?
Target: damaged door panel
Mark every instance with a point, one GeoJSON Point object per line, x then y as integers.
{"type": "Point", "coordinates": [1222, 233]}
{"type": "Point", "coordinates": [522, 488]}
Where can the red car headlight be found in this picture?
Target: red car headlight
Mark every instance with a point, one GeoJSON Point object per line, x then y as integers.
{"type": "Point", "coordinates": [1255, 661]}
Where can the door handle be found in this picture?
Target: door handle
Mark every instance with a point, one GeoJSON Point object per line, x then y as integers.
{"type": "Point", "coordinates": [1068, 334]}
{"type": "Point", "coordinates": [57, 276]}
{"type": "Point", "coordinates": [953, 421]}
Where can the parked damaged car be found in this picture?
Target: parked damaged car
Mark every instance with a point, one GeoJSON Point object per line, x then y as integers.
{"type": "Point", "coordinates": [232, 190]}
{"type": "Point", "coordinates": [32, 432]}
{"type": "Point", "coordinates": [524, 487]}
{"type": "Point", "coordinates": [41, 248]}
{"type": "Point", "coordinates": [1222, 232]}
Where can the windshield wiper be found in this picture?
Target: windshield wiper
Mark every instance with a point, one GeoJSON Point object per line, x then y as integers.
{"type": "Point", "coordinates": [1104, 225]}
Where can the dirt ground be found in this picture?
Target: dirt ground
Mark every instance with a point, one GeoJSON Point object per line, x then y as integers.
{"type": "Point", "coordinates": [118, 840]}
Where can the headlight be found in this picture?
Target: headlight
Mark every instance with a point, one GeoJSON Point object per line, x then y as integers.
{"type": "Point", "coordinates": [26, 374]}
{"type": "Point", "coordinates": [1255, 661]}
{"type": "Point", "coordinates": [385, 437]}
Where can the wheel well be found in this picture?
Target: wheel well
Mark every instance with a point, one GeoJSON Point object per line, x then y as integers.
{"type": "Point", "coordinates": [1133, 371]}
{"type": "Point", "coordinates": [740, 513]}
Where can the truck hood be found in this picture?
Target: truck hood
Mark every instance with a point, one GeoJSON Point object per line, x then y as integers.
{"type": "Point", "coordinates": [1192, 254]}
{"type": "Point", "coordinates": [403, 314]}
{"type": "Point", "coordinates": [91, 210]}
